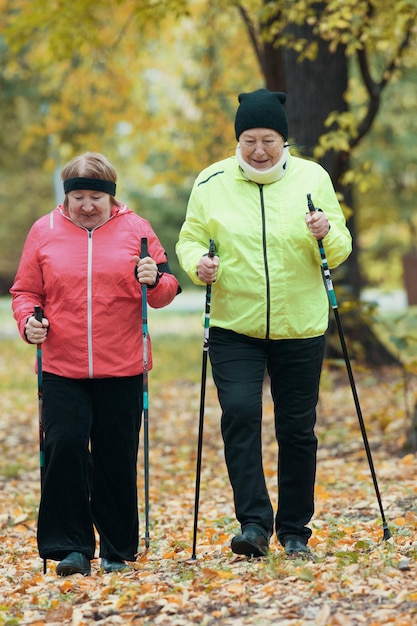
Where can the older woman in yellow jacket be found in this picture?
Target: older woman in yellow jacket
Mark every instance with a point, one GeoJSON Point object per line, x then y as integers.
{"type": "Point", "coordinates": [269, 311]}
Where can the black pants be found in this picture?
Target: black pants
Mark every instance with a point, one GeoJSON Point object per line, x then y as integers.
{"type": "Point", "coordinates": [294, 366]}
{"type": "Point", "coordinates": [91, 447]}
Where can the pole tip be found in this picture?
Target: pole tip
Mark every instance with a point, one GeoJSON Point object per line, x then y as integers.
{"type": "Point", "coordinates": [387, 533]}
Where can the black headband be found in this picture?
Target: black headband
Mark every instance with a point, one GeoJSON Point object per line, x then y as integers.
{"type": "Point", "coordinates": [92, 184]}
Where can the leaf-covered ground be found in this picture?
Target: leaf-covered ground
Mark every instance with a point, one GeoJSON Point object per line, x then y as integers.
{"type": "Point", "coordinates": [353, 577]}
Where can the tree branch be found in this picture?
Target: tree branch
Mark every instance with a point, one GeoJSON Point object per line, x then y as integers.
{"type": "Point", "coordinates": [375, 89]}
{"type": "Point", "coordinates": [250, 27]}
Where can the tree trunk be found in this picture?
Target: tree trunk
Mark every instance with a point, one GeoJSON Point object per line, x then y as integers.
{"type": "Point", "coordinates": [314, 90]}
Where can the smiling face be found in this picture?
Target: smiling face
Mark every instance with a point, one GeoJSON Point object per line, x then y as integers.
{"type": "Point", "coordinates": [88, 208]}
{"type": "Point", "coordinates": [261, 147]}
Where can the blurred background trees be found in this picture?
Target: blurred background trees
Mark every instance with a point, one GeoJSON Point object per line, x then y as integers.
{"type": "Point", "coordinates": [154, 86]}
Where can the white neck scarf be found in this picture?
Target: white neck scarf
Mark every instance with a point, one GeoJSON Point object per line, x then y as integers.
{"type": "Point", "coordinates": [264, 177]}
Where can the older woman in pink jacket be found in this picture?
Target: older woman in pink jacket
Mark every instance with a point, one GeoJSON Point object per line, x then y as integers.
{"type": "Point", "coordinates": [81, 265]}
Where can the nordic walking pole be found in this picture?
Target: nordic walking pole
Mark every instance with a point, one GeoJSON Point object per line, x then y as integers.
{"type": "Point", "coordinates": [143, 254]}
{"type": "Point", "coordinates": [332, 297]}
{"type": "Point", "coordinates": [202, 402]}
{"type": "Point", "coordinates": [38, 314]}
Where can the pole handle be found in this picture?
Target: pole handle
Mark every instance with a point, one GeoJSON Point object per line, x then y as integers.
{"type": "Point", "coordinates": [144, 247]}
{"type": "Point", "coordinates": [310, 204]}
{"type": "Point", "coordinates": [212, 249]}
{"type": "Point", "coordinates": [38, 313]}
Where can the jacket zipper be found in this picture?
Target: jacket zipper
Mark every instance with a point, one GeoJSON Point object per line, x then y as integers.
{"type": "Point", "coordinates": [90, 298]}
{"type": "Point", "coordinates": [90, 304]}
{"type": "Point", "coordinates": [89, 292]}
{"type": "Point", "coordinates": [268, 288]}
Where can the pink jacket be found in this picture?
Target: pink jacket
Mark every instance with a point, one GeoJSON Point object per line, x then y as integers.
{"type": "Point", "coordinates": [86, 284]}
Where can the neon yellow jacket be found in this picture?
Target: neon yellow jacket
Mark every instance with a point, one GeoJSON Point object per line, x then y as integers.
{"type": "Point", "coordinates": [269, 283]}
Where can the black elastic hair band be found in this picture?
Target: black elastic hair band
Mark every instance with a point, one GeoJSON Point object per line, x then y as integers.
{"type": "Point", "coordinates": [92, 184]}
